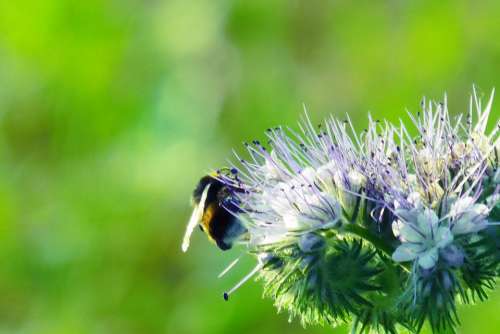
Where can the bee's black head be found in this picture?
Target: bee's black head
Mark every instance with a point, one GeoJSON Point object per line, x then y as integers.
{"type": "Point", "coordinates": [215, 187]}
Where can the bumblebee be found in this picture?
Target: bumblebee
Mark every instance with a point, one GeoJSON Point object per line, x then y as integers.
{"type": "Point", "coordinates": [213, 212]}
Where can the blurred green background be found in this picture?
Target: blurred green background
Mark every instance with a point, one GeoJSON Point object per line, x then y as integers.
{"type": "Point", "coordinates": [111, 110]}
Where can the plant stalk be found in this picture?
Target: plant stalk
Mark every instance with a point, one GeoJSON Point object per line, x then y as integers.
{"type": "Point", "coordinates": [375, 240]}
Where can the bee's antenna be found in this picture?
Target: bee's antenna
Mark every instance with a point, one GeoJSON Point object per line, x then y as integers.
{"type": "Point", "coordinates": [231, 265]}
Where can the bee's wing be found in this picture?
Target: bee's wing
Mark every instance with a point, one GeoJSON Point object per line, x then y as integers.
{"type": "Point", "coordinates": [195, 219]}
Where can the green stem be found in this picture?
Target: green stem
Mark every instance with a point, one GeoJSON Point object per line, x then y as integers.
{"type": "Point", "coordinates": [375, 240]}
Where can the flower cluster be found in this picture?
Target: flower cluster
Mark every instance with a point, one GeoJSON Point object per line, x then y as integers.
{"type": "Point", "coordinates": [388, 228]}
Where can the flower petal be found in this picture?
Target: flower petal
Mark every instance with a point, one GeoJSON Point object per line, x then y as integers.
{"type": "Point", "coordinates": [410, 233]}
{"type": "Point", "coordinates": [407, 215]}
{"type": "Point", "coordinates": [465, 225]}
{"type": "Point", "coordinates": [292, 222]}
{"type": "Point", "coordinates": [427, 222]}
{"type": "Point", "coordinates": [415, 199]}
{"type": "Point", "coordinates": [443, 237]}
{"type": "Point", "coordinates": [406, 252]}
{"type": "Point", "coordinates": [428, 259]}
{"type": "Point", "coordinates": [480, 210]}
{"type": "Point", "coordinates": [461, 205]}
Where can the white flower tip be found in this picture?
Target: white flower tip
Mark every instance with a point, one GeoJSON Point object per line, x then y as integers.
{"type": "Point", "coordinates": [415, 199]}
{"type": "Point", "coordinates": [356, 179]}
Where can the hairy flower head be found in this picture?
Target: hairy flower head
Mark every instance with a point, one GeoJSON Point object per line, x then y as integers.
{"type": "Point", "coordinates": [386, 228]}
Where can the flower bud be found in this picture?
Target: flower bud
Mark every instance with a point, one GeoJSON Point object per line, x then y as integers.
{"type": "Point", "coordinates": [452, 255]}
{"type": "Point", "coordinates": [458, 151]}
{"type": "Point", "coordinates": [496, 177]}
{"type": "Point", "coordinates": [447, 280]}
{"type": "Point", "coordinates": [356, 180]}
{"type": "Point", "coordinates": [480, 142]}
